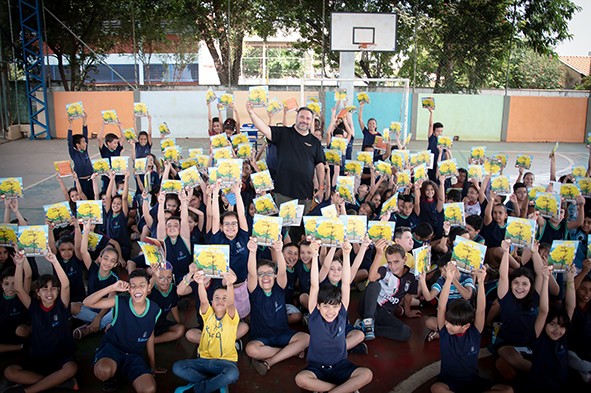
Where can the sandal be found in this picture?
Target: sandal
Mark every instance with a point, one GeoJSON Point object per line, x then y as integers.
{"type": "Point", "coordinates": [82, 331]}
{"type": "Point", "coordinates": [432, 335]}
{"type": "Point", "coordinates": [260, 367]}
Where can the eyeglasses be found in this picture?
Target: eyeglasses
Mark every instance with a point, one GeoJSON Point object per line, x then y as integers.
{"type": "Point", "coordinates": [162, 278]}
{"type": "Point", "coordinates": [230, 224]}
{"type": "Point", "coordinates": [266, 274]}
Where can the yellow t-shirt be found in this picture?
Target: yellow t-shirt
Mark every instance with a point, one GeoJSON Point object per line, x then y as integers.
{"type": "Point", "coordinates": [218, 339]}
{"type": "Point", "coordinates": [410, 260]}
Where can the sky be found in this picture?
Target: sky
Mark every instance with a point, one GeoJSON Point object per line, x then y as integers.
{"type": "Point", "coordinates": [580, 28]}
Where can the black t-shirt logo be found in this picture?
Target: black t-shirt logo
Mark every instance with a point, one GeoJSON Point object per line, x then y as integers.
{"type": "Point", "coordinates": [308, 144]}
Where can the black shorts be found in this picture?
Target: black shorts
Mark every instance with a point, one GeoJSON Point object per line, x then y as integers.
{"type": "Point", "coordinates": [473, 386]}
{"type": "Point", "coordinates": [131, 365]}
{"type": "Point", "coordinates": [45, 366]}
{"type": "Point", "coordinates": [336, 374]}
{"type": "Point", "coordinates": [163, 327]}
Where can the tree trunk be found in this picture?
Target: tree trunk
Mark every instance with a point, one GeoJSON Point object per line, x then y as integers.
{"type": "Point", "coordinates": [62, 71]}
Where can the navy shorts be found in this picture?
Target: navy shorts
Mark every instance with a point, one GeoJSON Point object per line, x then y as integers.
{"type": "Point", "coordinates": [279, 340]}
{"type": "Point", "coordinates": [8, 335]}
{"type": "Point", "coordinates": [476, 385]}
{"type": "Point", "coordinates": [349, 328]}
{"type": "Point", "coordinates": [336, 374]}
{"type": "Point", "coordinates": [131, 365]}
{"type": "Point", "coordinates": [45, 366]}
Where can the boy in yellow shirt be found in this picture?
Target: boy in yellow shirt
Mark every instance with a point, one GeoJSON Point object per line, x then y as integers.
{"type": "Point", "coordinates": [216, 366]}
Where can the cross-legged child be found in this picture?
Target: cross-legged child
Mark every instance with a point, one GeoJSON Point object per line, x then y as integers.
{"type": "Point", "coordinates": [460, 328]}
{"type": "Point", "coordinates": [50, 361]}
{"type": "Point", "coordinates": [328, 368]}
{"type": "Point", "coordinates": [272, 341]}
{"type": "Point", "coordinates": [216, 367]}
{"type": "Point", "coordinates": [163, 293]}
{"type": "Point", "coordinates": [14, 317]}
{"type": "Point", "coordinates": [132, 333]}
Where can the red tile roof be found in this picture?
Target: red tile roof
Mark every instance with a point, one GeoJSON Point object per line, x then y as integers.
{"type": "Point", "coordinates": [581, 64]}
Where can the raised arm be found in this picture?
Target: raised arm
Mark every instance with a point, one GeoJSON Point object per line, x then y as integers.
{"type": "Point", "coordinates": [243, 224]}
{"type": "Point", "coordinates": [100, 138]}
{"type": "Point", "coordinates": [125, 196]}
{"type": "Point", "coordinates": [359, 257]}
{"type": "Point", "coordinates": [86, 258]}
{"type": "Point", "coordinates": [544, 303]}
{"type": "Point", "coordinates": [583, 273]}
{"type": "Point", "coordinates": [489, 208]}
{"type": "Point", "coordinates": [280, 261]}
{"type": "Point", "coordinates": [444, 295]}
{"type": "Point", "coordinates": [185, 232]}
{"type": "Point", "coordinates": [62, 276]}
{"type": "Point", "coordinates": [346, 275]}
{"type": "Point", "coordinates": [99, 299]}
{"type": "Point", "coordinates": [258, 122]}
{"type": "Point", "coordinates": [441, 194]}
{"type": "Point", "coordinates": [417, 199]}
{"type": "Point", "coordinates": [77, 238]}
{"type": "Point", "coordinates": [14, 206]}
{"type": "Point", "coordinates": [570, 297]}
{"type": "Point", "coordinates": [552, 157]}
{"type": "Point", "coordinates": [377, 261]}
{"type": "Point", "coordinates": [503, 286]}
{"type": "Point", "coordinates": [19, 287]}
{"type": "Point", "coordinates": [252, 278]}
{"type": "Point", "coordinates": [430, 130]}
{"type": "Point", "coordinates": [202, 292]}
{"type": "Point", "coordinates": [314, 279]}
{"type": "Point", "coordinates": [149, 128]}
{"type": "Point", "coordinates": [109, 193]}
{"type": "Point", "coordinates": [480, 316]}
{"type": "Point", "coordinates": [360, 116]}
{"type": "Point", "coordinates": [161, 228]}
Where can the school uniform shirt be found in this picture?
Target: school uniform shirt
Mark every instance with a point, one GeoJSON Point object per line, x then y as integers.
{"type": "Point", "coordinates": [108, 153]}
{"type": "Point", "coordinates": [549, 366]}
{"type": "Point", "coordinates": [393, 288]}
{"type": "Point", "coordinates": [549, 232]}
{"type": "Point", "coordinates": [430, 214]}
{"type": "Point", "coordinates": [81, 159]}
{"type": "Point", "coordinates": [74, 269]}
{"type": "Point", "coordinates": [493, 234]}
{"type": "Point", "coordinates": [292, 278]}
{"type": "Point", "coordinates": [410, 221]}
{"type": "Point", "coordinates": [116, 228]}
{"type": "Point", "coordinates": [51, 336]}
{"type": "Point", "coordinates": [579, 334]}
{"type": "Point", "coordinates": [303, 273]}
{"type": "Point", "coordinates": [369, 138]}
{"type": "Point", "coordinates": [327, 339]}
{"type": "Point", "coordinates": [268, 315]}
{"type": "Point", "coordinates": [432, 147]}
{"type": "Point", "coordinates": [12, 314]}
{"type": "Point", "coordinates": [104, 242]}
{"type": "Point", "coordinates": [466, 281]}
{"type": "Point", "coordinates": [517, 328]}
{"type": "Point", "coordinates": [459, 355]}
{"type": "Point", "coordinates": [142, 151]}
{"type": "Point", "coordinates": [238, 252]}
{"type": "Point", "coordinates": [166, 301]}
{"type": "Point", "coordinates": [218, 340]}
{"type": "Point", "coordinates": [96, 282]}
{"type": "Point", "coordinates": [129, 331]}
{"type": "Point", "coordinates": [179, 256]}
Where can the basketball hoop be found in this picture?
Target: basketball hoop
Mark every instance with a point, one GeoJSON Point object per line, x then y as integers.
{"type": "Point", "coordinates": [366, 46]}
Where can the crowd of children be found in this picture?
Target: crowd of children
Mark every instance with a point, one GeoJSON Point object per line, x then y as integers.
{"type": "Point", "coordinates": [293, 298]}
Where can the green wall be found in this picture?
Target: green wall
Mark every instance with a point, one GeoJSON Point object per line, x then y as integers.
{"type": "Point", "coordinates": [471, 117]}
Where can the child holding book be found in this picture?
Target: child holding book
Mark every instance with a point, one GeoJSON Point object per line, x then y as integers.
{"type": "Point", "coordinates": [460, 329]}
{"type": "Point", "coordinates": [216, 367]}
{"type": "Point", "coordinates": [78, 151]}
{"type": "Point", "coordinates": [328, 368]}
{"type": "Point", "coordinates": [14, 317]}
{"type": "Point", "coordinates": [272, 341]}
{"type": "Point", "coordinates": [50, 361]}
{"type": "Point", "coordinates": [116, 212]}
{"type": "Point", "coordinates": [163, 293]}
{"type": "Point", "coordinates": [579, 336]}
{"type": "Point", "coordinates": [132, 332]}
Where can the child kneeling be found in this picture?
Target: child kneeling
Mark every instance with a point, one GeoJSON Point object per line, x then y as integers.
{"type": "Point", "coordinates": [328, 368]}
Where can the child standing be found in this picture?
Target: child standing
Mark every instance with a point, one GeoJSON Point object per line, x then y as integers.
{"type": "Point", "coordinates": [328, 368]}
{"type": "Point", "coordinates": [50, 361]}
{"type": "Point", "coordinates": [460, 329]}
{"type": "Point", "coordinates": [78, 150]}
{"type": "Point", "coordinates": [131, 333]}
{"type": "Point", "coordinates": [216, 367]}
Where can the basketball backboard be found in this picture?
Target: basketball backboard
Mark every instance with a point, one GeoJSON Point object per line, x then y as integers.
{"type": "Point", "coordinates": [353, 32]}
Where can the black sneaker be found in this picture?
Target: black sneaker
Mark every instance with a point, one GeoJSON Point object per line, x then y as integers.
{"type": "Point", "coordinates": [239, 345]}
{"type": "Point", "coordinates": [359, 349]}
{"type": "Point", "coordinates": [5, 384]}
{"type": "Point", "coordinates": [110, 385]}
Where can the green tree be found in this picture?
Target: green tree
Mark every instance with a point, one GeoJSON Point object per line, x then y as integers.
{"type": "Point", "coordinates": [531, 70]}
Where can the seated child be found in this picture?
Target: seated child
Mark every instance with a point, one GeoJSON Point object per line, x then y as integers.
{"type": "Point", "coordinates": [163, 293]}
{"type": "Point", "coordinates": [579, 336]}
{"type": "Point", "coordinates": [132, 332]}
{"type": "Point", "coordinates": [272, 341]}
{"type": "Point", "coordinates": [328, 367]}
{"type": "Point", "coordinates": [14, 317]}
{"type": "Point", "coordinates": [460, 329]}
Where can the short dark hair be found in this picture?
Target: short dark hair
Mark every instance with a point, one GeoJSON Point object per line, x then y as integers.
{"type": "Point", "coordinates": [405, 198]}
{"type": "Point", "coordinates": [455, 232]}
{"type": "Point", "coordinates": [142, 133]}
{"type": "Point", "coordinates": [7, 272]}
{"type": "Point", "coordinates": [329, 294]}
{"type": "Point", "coordinates": [291, 244]}
{"type": "Point", "coordinates": [110, 137]}
{"type": "Point", "coordinates": [305, 108]}
{"type": "Point", "coordinates": [400, 231]}
{"type": "Point", "coordinates": [215, 119]}
{"type": "Point", "coordinates": [559, 313]}
{"type": "Point", "coordinates": [265, 262]}
{"type": "Point", "coordinates": [459, 312]}
{"type": "Point", "coordinates": [424, 230]}
{"type": "Point", "coordinates": [454, 195]}
{"type": "Point", "coordinates": [475, 221]}
{"type": "Point", "coordinates": [396, 249]}
{"type": "Point", "coordinates": [77, 139]}
{"type": "Point", "coordinates": [44, 279]}
{"type": "Point", "coordinates": [518, 185]}
{"type": "Point", "coordinates": [139, 273]}
{"type": "Point", "coordinates": [437, 125]}
{"type": "Point", "coordinates": [229, 213]}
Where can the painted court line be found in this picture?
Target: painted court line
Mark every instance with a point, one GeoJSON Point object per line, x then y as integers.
{"type": "Point", "coordinates": [48, 178]}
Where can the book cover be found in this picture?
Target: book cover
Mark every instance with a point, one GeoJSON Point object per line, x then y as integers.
{"type": "Point", "coordinates": [422, 157]}
{"type": "Point", "coordinates": [521, 231]}
{"type": "Point", "coordinates": [64, 168]}
{"type": "Point", "coordinates": [226, 100]}
{"type": "Point", "coordinates": [403, 179]}
{"type": "Point", "coordinates": [237, 140]}
{"type": "Point", "coordinates": [390, 205]}
{"type": "Point", "coordinates": [220, 140]}
{"type": "Point", "coordinates": [222, 153]}
{"type": "Point", "coordinates": [501, 185]}
{"type": "Point", "coordinates": [195, 152]}
{"type": "Point", "coordinates": [109, 116]}
{"type": "Point", "coordinates": [274, 107]}
{"type": "Point", "coordinates": [330, 232]}
{"type": "Point", "coordinates": [188, 163]}
{"type": "Point", "coordinates": [340, 144]}
{"type": "Point", "coordinates": [492, 166]}
{"type": "Point", "coordinates": [291, 104]}
{"type": "Point", "coordinates": [262, 164]}
{"type": "Point", "coordinates": [422, 257]}
{"type": "Point", "coordinates": [523, 161]}
{"type": "Point", "coordinates": [448, 168]}
{"type": "Point", "coordinates": [153, 251]}
{"type": "Point", "coordinates": [202, 161]}
{"type": "Point", "coordinates": [310, 225]}
{"type": "Point", "coordinates": [585, 186]}
{"type": "Point", "coordinates": [548, 204]}
{"type": "Point", "coordinates": [212, 175]}
{"type": "Point", "coordinates": [316, 107]}
{"type": "Point", "coordinates": [562, 255]}
{"type": "Point", "coordinates": [190, 177]}
{"type": "Point", "coordinates": [210, 96]}
{"type": "Point", "coordinates": [266, 229]}
{"type": "Point", "coordinates": [229, 171]}
{"type": "Point", "coordinates": [93, 240]}
{"type": "Point", "coordinates": [58, 214]}
{"type": "Point", "coordinates": [258, 96]}
{"type": "Point", "coordinates": [130, 135]}
{"type": "Point", "coordinates": [75, 110]}
{"type": "Point", "coordinates": [163, 129]}
{"type": "Point", "coordinates": [353, 168]}
{"type": "Point", "coordinates": [554, 187]}
{"type": "Point", "coordinates": [478, 154]}
{"type": "Point", "coordinates": [395, 128]}
{"type": "Point", "coordinates": [569, 192]}
{"type": "Point", "coordinates": [363, 98]}
{"type": "Point", "coordinates": [379, 143]}
{"type": "Point", "coordinates": [444, 141]}
{"type": "Point", "coordinates": [579, 171]}
{"type": "Point", "coordinates": [11, 187]}
{"type": "Point", "coordinates": [399, 159]}
{"type": "Point", "coordinates": [333, 157]}
{"type": "Point", "coordinates": [167, 142]}
{"type": "Point", "coordinates": [345, 187]}
{"type": "Point", "coordinates": [119, 164]}
{"type": "Point", "coordinates": [140, 109]}
{"type": "Point", "coordinates": [467, 254]}
{"type": "Point", "coordinates": [265, 205]}
{"type": "Point", "coordinates": [454, 213]}
{"type": "Point", "coordinates": [291, 213]}
{"type": "Point", "coordinates": [503, 158]}
{"type": "Point", "coordinates": [32, 240]}
{"type": "Point", "coordinates": [383, 168]}
{"type": "Point", "coordinates": [355, 228]}
{"type": "Point", "coordinates": [476, 172]}
{"type": "Point", "coordinates": [421, 173]}
{"type": "Point", "coordinates": [365, 157]}
{"type": "Point", "coordinates": [262, 181]}
{"type": "Point", "coordinates": [428, 102]}
{"type": "Point", "coordinates": [173, 154]}
{"type": "Point", "coordinates": [377, 230]}
{"type": "Point", "coordinates": [8, 233]}
{"type": "Point", "coordinates": [171, 186]}
{"type": "Point", "coordinates": [340, 95]}
{"type": "Point", "coordinates": [532, 192]}
{"type": "Point", "coordinates": [244, 151]}
{"type": "Point", "coordinates": [329, 211]}
{"type": "Point", "coordinates": [140, 166]}
{"type": "Point", "coordinates": [90, 210]}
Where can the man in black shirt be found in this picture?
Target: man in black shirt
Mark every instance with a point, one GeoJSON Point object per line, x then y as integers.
{"type": "Point", "coordinates": [299, 153]}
